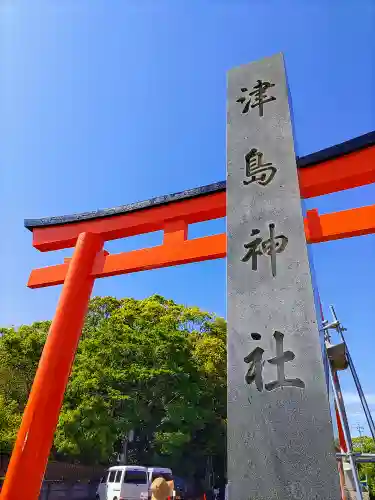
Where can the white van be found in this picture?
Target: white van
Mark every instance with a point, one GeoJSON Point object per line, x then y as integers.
{"type": "Point", "coordinates": [124, 482]}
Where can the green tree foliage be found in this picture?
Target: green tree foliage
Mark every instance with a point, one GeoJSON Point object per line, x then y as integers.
{"type": "Point", "coordinates": [366, 471]}
{"type": "Point", "coordinates": [19, 355]}
{"type": "Point", "coordinates": [150, 365]}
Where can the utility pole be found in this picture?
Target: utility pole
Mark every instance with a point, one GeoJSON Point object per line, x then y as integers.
{"type": "Point", "coordinates": [127, 439]}
{"type": "Point", "coordinates": [360, 430]}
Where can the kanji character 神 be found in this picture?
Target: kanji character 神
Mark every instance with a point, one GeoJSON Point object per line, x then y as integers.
{"type": "Point", "coordinates": [269, 247]}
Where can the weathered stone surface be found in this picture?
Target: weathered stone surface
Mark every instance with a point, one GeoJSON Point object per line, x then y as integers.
{"type": "Point", "coordinates": [280, 441]}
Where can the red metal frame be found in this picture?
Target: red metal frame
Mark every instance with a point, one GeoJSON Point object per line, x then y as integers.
{"type": "Point", "coordinates": [342, 444]}
{"type": "Point", "coordinates": [90, 261]}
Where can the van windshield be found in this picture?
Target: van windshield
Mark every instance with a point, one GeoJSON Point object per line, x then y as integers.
{"type": "Point", "coordinates": [165, 475]}
{"type": "Point", "coordinates": [133, 476]}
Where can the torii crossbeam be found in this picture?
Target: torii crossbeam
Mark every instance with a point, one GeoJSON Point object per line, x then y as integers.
{"type": "Point", "coordinates": [341, 167]}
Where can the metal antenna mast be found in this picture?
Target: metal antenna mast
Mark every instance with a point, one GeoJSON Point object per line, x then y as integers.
{"type": "Point", "coordinates": [340, 330]}
{"type": "Point", "coordinates": [339, 359]}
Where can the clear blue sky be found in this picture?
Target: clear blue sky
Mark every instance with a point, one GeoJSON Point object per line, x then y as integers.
{"type": "Point", "coordinates": [109, 102]}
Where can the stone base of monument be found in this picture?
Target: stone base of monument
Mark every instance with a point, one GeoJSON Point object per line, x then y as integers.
{"type": "Point", "coordinates": [350, 491]}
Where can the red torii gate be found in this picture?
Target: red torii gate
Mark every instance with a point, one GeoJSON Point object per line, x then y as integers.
{"type": "Point", "coordinates": [341, 167]}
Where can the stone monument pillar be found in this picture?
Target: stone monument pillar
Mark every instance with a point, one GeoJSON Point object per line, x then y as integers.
{"type": "Point", "coordinates": [280, 440]}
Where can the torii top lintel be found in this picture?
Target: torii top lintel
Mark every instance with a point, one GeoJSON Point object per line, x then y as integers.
{"type": "Point", "coordinates": [344, 166]}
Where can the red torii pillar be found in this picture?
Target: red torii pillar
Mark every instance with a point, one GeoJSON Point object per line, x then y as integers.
{"type": "Point", "coordinates": [33, 444]}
